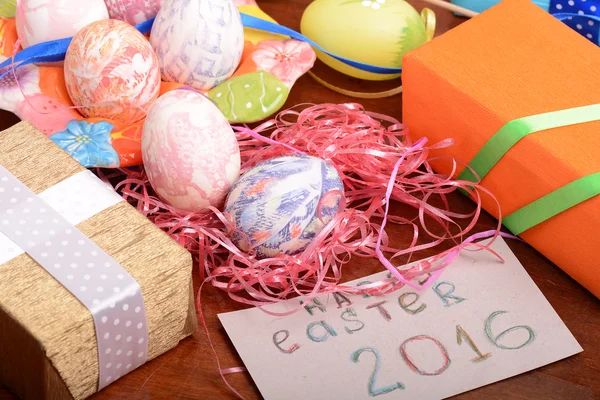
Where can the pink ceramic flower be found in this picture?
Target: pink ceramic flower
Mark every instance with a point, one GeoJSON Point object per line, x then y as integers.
{"type": "Point", "coordinates": [288, 60]}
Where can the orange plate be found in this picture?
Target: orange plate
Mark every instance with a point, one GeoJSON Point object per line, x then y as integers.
{"type": "Point", "coordinates": [512, 61]}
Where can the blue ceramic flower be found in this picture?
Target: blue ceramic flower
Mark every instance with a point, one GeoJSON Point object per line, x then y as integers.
{"type": "Point", "coordinates": [88, 143]}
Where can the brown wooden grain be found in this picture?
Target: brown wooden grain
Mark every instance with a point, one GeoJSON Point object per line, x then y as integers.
{"type": "Point", "coordinates": [190, 370]}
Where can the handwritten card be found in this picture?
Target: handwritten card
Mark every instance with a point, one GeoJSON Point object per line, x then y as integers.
{"type": "Point", "coordinates": [482, 321]}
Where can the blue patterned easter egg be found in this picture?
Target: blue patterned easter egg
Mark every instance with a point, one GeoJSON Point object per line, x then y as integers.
{"type": "Point", "coordinates": [276, 204]}
{"type": "Point", "coordinates": [199, 43]}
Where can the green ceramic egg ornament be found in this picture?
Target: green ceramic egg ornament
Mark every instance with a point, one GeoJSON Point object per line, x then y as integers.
{"type": "Point", "coordinates": [249, 97]}
{"type": "Point", "coordinates": [377, 32]}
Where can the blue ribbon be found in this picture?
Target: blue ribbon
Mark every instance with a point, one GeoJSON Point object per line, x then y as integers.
{"type": "Point", "coordinates": [580, 15]}
{"type": "Point", "coordinates": [55, 50]}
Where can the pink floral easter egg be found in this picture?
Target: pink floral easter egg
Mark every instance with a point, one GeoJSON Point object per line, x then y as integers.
{"type": "Point", "coordinates": [190, 152]}
{"type": "Point", "coordinates": [133, 11]}
{"type": "Point", "coordinates": [44, 20]}
{"type": "Point", "coordinates": [112, 72]}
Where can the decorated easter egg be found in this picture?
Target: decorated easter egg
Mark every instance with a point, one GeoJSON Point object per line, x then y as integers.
{"type": "Point", "coordinates": [199, 43]}
{"type": "Point", "coordinates": [280, 205]}
{"type": "Point", "coordinates": [111, 71]}
{"type": "Point", "coordinates": [377, 32]}
{"type": "Point", "coordinates": [133, 11]}
{"type": "Point", "coordinates": [190, 152]}
{"type": "Point", "coordinates": [44, 20]}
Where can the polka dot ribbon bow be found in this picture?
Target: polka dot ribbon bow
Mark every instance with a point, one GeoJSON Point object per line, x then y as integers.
{"type": "Point", "coordinates": [33, 224]}
{"type": "Point", "coordinates": [581, 15]}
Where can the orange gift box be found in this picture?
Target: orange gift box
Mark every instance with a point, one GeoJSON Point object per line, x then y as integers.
{"type": "Point", "coordinates": [512, 61]}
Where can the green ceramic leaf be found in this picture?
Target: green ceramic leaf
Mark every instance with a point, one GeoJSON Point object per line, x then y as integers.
{"type": "Point", "coordinates": [251, 97]}
{"type": "Point", "coordinates": [8, 8]}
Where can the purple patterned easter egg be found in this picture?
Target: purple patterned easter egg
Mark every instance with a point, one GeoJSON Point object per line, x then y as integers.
{"type": "Point", "coordinates": [133, 11]}
{"type": "Point", "coordinates": [190, 152]}
{"type": "Point", "coordinates": [280, 205]}
{"type": "Point", "coordinates": [199, 42]}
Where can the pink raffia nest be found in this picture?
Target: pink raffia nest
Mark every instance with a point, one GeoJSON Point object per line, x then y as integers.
{"type": "Point", "coordinates": [376, 160]}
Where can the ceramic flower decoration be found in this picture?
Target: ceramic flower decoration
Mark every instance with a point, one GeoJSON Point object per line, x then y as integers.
{"type": "Point", "coordinates": [287, 60]}
{"type": "Point", "coordinates": [88, 143]}
{"type": "Point", "coordinates": [269, 67]}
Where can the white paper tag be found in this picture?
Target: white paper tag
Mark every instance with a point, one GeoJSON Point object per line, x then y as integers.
{"type": "Point", "coordinates": [480, 322]}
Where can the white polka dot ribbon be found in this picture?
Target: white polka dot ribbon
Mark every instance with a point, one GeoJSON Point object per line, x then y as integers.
{"type": "Point", "coordinates": [76, 198]}
{"type": "Point", "coordinates": [113, 297]}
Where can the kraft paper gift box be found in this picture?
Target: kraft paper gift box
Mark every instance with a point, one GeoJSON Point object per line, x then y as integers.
{"type": "Point", "coordinates": [512, 62]}
{"type": "Point", "coordinates": [48, 343]}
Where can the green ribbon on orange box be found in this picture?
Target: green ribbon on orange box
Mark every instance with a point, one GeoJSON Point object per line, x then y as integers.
{"type": "Point", "coordinates": [554, 202]}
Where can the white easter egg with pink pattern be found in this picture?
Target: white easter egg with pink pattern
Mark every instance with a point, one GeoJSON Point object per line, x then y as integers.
{"type": "Point", "coordinates": [45, 20]}
{"type": "Point", "coordinates": [190, 152]}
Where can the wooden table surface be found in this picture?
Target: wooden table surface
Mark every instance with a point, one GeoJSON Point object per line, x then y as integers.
{"type": "Point", "coordinates": [190, 370]}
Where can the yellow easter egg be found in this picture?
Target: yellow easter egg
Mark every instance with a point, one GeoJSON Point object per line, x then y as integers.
{"type": "Point", "coordinates": [377, 32]}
